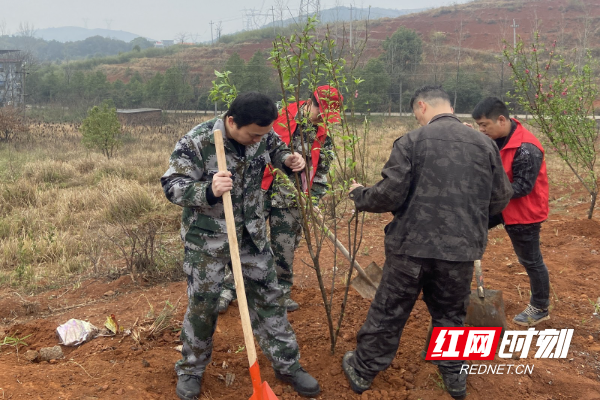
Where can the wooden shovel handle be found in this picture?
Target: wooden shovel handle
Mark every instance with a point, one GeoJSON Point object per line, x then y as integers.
{"type": "Point", "coordinates": [479, 279]}
{"type": "Point", "coordinates": [235, 255]}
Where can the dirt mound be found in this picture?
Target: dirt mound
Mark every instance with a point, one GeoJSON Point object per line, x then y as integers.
{"type": "Point", "coordinates": [119, 367]}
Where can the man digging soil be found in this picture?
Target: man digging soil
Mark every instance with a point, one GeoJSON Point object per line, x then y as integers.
{"type": "Point", "coordinates": [442, 182]}
{"type": "Point", "coordinates": [194, 183]}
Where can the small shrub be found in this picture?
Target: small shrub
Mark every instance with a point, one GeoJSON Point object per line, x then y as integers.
{"type": "Point", "coordinates": [101, 129]}
{"type": "Point", "coordinates": [22, 194]}
{"type": "Point", "coordinates": [51, 172]}
{"type": "Point", "coordinates": [140, 247]}
{"type": "Point", "coordinates": [125, 200]}
{"type": "Point", "coordinates": [441, 11]}
{"type": "Point", "coordinates": [575, 5]}
{"type": "Point", "coordinates": [12, 123]}
{"type": "Point", "coordinates": [84, 166]}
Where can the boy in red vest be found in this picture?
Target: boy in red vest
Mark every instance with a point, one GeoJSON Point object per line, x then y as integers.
{"type": "Point", "coordinates": [305, 124]}
{"type": "Point", "coordinates": [523, 160]}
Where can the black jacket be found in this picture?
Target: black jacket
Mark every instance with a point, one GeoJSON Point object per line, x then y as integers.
{"type": "Point", "coordinates": [442, 182]}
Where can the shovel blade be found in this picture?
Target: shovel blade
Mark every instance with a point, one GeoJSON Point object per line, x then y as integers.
{"type": "Point", "coordinates": [261, 390]}
{"type": "Point", "coordinates": [487, 311]}
{"type": "Point", "coordinates": [265, 393]}
{"type": "Point", "coordinates": [363, 286]}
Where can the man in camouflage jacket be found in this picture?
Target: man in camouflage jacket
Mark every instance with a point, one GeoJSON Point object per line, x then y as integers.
{"type": "Point", "coordinates": [194, 183]}
{"type": "Point", "coordinates": [442, 181]}
{"type": "Point", "coordinates": [304, 125]}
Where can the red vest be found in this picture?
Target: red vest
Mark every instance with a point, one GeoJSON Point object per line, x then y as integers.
{"type": "Point", "coordinates": [533, 207]}
{"type": "Point", "coordinates": [280, 126]}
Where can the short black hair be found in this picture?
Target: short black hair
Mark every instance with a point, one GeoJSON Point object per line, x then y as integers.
{"type": "Point", "coordinates": [491, 108]}
{"type": "Point", "coordinates": [429, 94]}
{"type": "Point", "coordinates": [252, 108]}
{"type": "Point", "coordinates": [314, 100]}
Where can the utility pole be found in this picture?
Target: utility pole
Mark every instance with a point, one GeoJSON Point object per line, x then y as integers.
{"type": "Point", "coordinates": [211, 33]}
{"type": "Point", "coordinates": [219, 30]}
{"type": "Point", "coordinates": [514, 26]}
{"type": "Point", "coordinates": [350, 26]}
{"type": "Point", "coordinates": [273, 12]}
{"type": "Point", "coordinates": [23, 73]}
{"type": "Point", "coordinates": [400, 101]}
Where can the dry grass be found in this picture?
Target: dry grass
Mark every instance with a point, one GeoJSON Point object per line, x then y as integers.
{"type": "Point", "coordinates": [63, 210]}
{"type": "Point", "coordinates": [380, 139]}
{"type": "Point", "coordinates": [60, 203]}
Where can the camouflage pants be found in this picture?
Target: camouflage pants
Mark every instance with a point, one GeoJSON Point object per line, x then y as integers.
{"type": "Point", "coordinates": [446, 288]}
{"type": "Point", "coordinates": [286, 232]}
{"type": "Point", "coordinates": [269, 318]}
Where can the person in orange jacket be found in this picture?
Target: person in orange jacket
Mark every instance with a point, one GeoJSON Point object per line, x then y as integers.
{"type": "Point", "coordinates": [523, 160]}
{"type": "Point", "coordinates": [300, 124]}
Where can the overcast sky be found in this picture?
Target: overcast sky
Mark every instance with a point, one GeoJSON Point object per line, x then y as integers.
{"type": "Point", "coordinates": [165, 19]}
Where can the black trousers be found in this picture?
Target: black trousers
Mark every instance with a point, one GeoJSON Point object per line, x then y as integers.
{"type": "Point", "coordinates": [526, 242]}
{"type": "Point", "coordinates": [446, 288]}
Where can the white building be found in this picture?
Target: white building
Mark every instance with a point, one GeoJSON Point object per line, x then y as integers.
{"type": "Point", "coordinates": [12, 78]}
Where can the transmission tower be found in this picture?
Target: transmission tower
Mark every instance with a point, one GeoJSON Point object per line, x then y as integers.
{"type": "Point", "coordinates": [309, 8]}
{"type": "Point", "coordinates": [254, 19]}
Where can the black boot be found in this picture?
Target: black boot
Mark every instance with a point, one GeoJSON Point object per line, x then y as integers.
{"type": "Point", "coordinates": [290, 305]}
{"type": "Point", "coordinates": [455, 382]}
{"type": "Point", "coordinates": [223, 304]}
{"type": "Point", "coordinates": [301, 381]}
{"type": "Point", "coordinates": [357, 382]}
{"type": "Point", "coordinates": [188, 387]}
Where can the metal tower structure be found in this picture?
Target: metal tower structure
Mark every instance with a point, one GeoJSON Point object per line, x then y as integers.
{"type": "Point", "coordinates": [308, 8]}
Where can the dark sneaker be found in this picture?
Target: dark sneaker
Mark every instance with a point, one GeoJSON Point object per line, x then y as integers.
{"type": "Point", "coordinates": [223, 304]}
{"type": "Point", "coordinates": [188, 387]}
{"type": "Point", "coordinates": [290, 304]}
{"type": "Point", "coordinates": [357, 383]}
{"type": "Point", "coordinates": [456, 384]}
{"type": "Point", "coordinates": [301, 381]}
{"type": "Point", "coordinates": [531, 316]}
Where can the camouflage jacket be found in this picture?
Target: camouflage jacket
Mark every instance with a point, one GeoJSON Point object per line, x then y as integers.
{"type": "Point", "coordinates": [442, 181]}
{"type": "Point", "coordinates": [283, 196]}
{"type": "Point", "coordinates": [192, 166]}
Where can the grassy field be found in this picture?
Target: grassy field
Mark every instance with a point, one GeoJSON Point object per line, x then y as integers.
{"type": "Point", "coordinates": [67, 214]}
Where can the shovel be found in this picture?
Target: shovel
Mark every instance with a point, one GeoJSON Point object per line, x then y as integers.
{"type": "Point", "coordinates": [261, 390]}
{"type": "Point", "coordinates": [486, 308]}
{"type": "Point", "coordinates": [367, 280]}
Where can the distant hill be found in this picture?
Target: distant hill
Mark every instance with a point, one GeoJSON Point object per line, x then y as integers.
{"type": "Point", "coordinates": [74, 33]}
{"type": "Point", "coordinates": [343, 13]}
{"type": "Point", "coordinates": [53, 50]}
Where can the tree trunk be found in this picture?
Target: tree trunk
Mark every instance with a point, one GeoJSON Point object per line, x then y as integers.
{"type": "Point", "coordinates": [502, 82]}
{"type": "Point", "coordinates": [592, 205]}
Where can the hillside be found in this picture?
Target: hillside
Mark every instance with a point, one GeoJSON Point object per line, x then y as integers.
{"type": "Point", "coordinates": [430, 53]}
{"type": "Point", "coordinates": [75, 33]}
{"type": "Point", "coordinates": [485, 25]}
{"type": "Point", "coordinates": [343, 13]}
{"type": "Point", "coordinates": [56, 51]}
